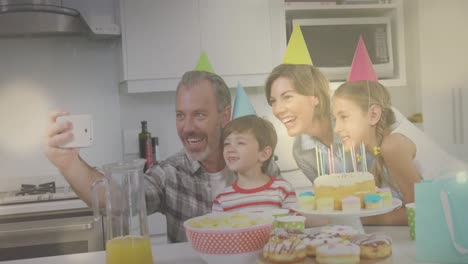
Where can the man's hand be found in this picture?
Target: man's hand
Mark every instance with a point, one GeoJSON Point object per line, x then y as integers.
{"type": "Point", "coordinates": [77, 172]}
{"type": "Point", "coordinates": [57, 135]}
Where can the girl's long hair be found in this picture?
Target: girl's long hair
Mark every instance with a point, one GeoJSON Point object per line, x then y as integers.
{"type": "Point", "coordinates": [366, 94]}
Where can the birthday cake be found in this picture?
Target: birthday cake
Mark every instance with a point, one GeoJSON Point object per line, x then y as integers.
{"type": "Point", "coordinates": [334, 188]}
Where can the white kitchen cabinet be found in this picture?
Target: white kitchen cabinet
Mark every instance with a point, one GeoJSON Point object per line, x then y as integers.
{"type": "Point", "coordinates": [443, 41]}
{"type": "Point", "coordinates": [162, 39]}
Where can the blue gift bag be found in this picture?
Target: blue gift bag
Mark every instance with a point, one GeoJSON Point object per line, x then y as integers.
{"type": "Point", "coordinates": [441, 217]}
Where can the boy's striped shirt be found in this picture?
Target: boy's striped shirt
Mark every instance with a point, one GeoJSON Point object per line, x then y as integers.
{"type": "Point", "coordinates": [276, 193]}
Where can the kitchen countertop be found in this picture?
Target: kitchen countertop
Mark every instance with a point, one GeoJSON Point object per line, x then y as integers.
{"type": "Point", "coordinates": [41, 207]}
{"type": "Point", "coordinates": [404, 251]}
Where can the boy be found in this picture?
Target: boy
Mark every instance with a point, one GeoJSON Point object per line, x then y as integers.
{"type": "Point", "coordinates": [249, 143]}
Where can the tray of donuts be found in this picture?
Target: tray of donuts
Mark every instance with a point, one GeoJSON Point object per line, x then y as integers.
{"type": "Point", "coordinates": [328, 245]}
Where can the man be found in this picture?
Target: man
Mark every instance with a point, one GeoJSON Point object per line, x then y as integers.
{"type": "Point", "coordinates": [184, 185]}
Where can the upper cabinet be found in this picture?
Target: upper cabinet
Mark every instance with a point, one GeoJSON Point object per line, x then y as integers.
{"type": "Point", "coordinates": [162, 39]}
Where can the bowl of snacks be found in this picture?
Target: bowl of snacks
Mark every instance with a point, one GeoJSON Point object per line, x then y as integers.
{"type": "Point", "coordinates": [229, 237]}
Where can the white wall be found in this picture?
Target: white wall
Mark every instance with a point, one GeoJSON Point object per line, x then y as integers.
{"type": "Point", "coordinates": [443, 66]}
{"type": "Point", "coordinates": [407, 98]}
{"type": "Point", "coordinates": [77, 75]}
{"type": "Point", "coordinates": [158, 109]}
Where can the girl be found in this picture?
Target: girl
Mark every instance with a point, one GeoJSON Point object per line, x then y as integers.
{"type": "Point", "coordinates": [403, 154]}
{"type": "Point", "coordinates": [300, 99]}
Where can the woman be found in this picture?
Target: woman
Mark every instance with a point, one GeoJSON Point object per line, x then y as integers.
{"type": "Point", "coordinates": [300, 99]}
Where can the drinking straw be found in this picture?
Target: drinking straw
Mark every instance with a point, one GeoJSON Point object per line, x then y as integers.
{"type": "Point", "coordinates": [332, 158]}
{"type": "Point", "coordinates": [344, 158]}
{"type": "Point", "coordinates": [329, 162]}
{"type": "Point", "coordinates": [321, 162]}
{"type": "Point", "coordinates": [353, 157]}
{"type": "Point", "coordinates": [364, 156]}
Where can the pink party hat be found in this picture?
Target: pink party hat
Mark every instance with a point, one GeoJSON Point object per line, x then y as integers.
{"type": "Point", "coordinates": [361, 68]}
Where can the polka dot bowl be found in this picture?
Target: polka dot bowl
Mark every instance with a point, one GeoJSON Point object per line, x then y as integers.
{"type": "Point", "coordinates": [225, 240]}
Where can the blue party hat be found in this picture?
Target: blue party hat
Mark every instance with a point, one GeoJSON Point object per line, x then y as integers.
{"type": "Point", "coordinates": [242, 105]}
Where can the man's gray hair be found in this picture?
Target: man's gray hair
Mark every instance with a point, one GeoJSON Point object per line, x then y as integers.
{"type": "Point", "coordinates": [223, 95]}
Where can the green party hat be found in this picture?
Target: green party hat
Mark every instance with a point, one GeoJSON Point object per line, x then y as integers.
{"type": "Point", "coordinates": [203, 63]}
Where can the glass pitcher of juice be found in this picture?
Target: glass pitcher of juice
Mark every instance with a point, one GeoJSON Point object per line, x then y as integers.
{"type": "Point", "coordinates": [120, 197]}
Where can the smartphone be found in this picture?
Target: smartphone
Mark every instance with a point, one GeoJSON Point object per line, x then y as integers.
{"type": "Point", "coordinates": [82, 130]}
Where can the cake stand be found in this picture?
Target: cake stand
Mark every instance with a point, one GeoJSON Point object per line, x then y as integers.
{"type": "Point", "coordinates": [351, 218]}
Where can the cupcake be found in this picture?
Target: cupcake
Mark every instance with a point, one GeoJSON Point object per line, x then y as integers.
{"type": "Point", "coordinates": [351, 204]}
{"type": "Point", "coordinates": [291, 222]}
{"type": "Point", "coordinates": [307, 201]}
{"type": "Point", "coordinates": [373, 201]}
{"type": "Point", "coordinates": [386, 195]}
{"type": "Point", "coordinates": [325, 204]}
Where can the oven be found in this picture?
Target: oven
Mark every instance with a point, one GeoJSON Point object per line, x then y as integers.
{"type": "Point", "coordinates": [42, 234]}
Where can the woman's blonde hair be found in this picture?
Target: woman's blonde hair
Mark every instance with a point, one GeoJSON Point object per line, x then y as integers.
{"type": "Point", "coordinates": [307, 80]}
{"type": "Point", "coordinates": [366, 94]}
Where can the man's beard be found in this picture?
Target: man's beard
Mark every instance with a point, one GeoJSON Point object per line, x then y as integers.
{"type": "Point", "coordinates": [205, 154]}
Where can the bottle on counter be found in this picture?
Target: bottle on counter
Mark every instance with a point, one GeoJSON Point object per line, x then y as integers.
{"type": "Point", "coordinates": [144, 142]}
{"type": "Point", "coordinates": [155, 145]}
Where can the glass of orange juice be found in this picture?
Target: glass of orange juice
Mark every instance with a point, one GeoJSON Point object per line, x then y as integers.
{"type": "Point", "coordinates": [129, 249]}
{"type": "Point", "coordinates": [121, 196]}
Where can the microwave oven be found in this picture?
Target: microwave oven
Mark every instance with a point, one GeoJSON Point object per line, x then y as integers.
{"type": "Point", "coordinates": [332, 43]}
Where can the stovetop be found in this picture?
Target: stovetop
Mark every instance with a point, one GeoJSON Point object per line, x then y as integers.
{"type": "Point", "coordinates": [30, 193]}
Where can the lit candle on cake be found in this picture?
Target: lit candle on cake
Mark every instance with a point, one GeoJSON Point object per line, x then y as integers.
{"type": "Point", "coordinates": [344, 158]}
{"type": "Point", "coordinates": [353, 157]}
{"type": "Point", "coordinates": [332, 158]}
{"type": "Point", "coordinates": [317, 161]}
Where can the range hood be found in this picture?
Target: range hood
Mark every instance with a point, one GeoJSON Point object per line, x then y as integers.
{"type": "Point", "coordinates": [48, 17]}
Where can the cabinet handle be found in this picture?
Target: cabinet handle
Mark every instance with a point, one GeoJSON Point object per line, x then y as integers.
{"type": "Point", "coordinates": [49, 229]}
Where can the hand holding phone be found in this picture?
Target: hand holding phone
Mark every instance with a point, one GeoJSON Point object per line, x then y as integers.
{"type": "Point", "coordinates": [82, 130]}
